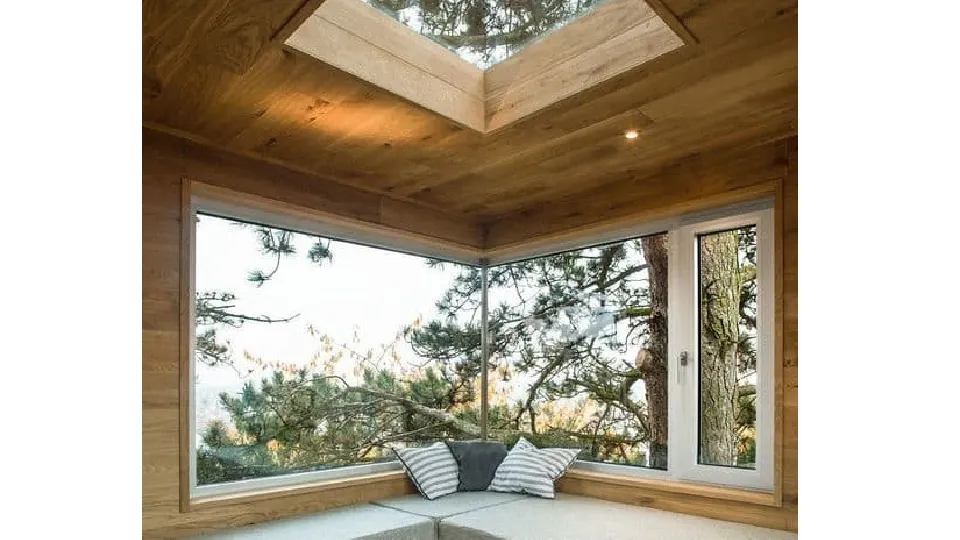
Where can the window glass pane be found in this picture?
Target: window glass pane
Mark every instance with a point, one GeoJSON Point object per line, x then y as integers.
{"type": "Point", "coordinates": [579, 352]}
{"type": "Point", "coordinates": [313, 353]}
{"type": "Point", "coordinates": [485, 32]}
{"type": "Point", "coordinates": [728, 347]}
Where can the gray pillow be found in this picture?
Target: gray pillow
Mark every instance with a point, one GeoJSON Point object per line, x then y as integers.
{"type": "Point", "coordinates": [477, 462]}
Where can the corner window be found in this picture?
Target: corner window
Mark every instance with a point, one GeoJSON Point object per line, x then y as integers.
{"type": "Point", "coordinates": [312, 356]}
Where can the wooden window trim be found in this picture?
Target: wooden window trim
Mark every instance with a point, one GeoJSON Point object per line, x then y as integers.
{"type": "Point", "coordinates": [290, 491]}
{"type": "Point", "coordinates": [726, 493]}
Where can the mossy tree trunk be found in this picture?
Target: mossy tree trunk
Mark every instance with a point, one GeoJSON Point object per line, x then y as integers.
{"type": "Point", "coordinates": [720, 283]}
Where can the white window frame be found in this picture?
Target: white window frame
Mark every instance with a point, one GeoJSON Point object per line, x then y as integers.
{"type": "Point", "coordinates": [683, 444]}
{"type": "Point", "coordinates": [683, 336]}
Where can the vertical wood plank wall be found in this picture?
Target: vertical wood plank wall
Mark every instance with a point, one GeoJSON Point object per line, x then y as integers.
{"type": "Point", "coordinates": [165, 164]}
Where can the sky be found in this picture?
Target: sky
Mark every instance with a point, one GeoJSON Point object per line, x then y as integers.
{"type": "Point", "coordinates": [371, 292]}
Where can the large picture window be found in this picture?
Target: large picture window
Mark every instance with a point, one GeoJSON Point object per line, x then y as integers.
{"type": "Point", "coordinates": [313, 356]}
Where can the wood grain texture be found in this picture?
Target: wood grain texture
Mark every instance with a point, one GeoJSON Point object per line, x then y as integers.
{"type": "Point", "coordinates": [376, 63]}
{"type": "Point", "coordinates": [616, 37]}
{"type": "Point", "coordinates": [228, 34]}
{"type": "Point", "coordinates": [712, 180]}
{"type": "Point", "coordinates": [285, 186]}
{"type": "Point", "coordinates": [685, 186]}
{"type": "Point", "coordinates": [717, 120]}
{"type": "Point", "coordinates": [665, 12]}
{"type": "Point", "coordinates": [735, 86]}
{"type": "Point", "coordinates": [375, 27]}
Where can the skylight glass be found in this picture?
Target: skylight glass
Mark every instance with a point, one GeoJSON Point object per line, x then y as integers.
{"type": "Point", "coordinates": [484, 32]}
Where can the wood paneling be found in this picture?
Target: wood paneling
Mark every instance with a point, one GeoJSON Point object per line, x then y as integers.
{"type": "Point", "coordinates": [342, 202]}
{"type": "Point", "coordinates": [375, 27]}
{"type": "Point", "coordinates": [736, 85]}
{"type": "Point", "coordinates": [228, 34]}
{"type": "Point", "coordinates": [688, 185]}
{"type": "Point", "coordinates": [717, 120]}
{"type": "Point", "coordinates": [361, 40]}
{"type": "Point", "coordinates": [568, 148]}
{"type": "Point", "coordinates": [617, 36]}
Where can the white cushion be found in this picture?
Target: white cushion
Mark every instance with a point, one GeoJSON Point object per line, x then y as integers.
{"type": "Point", "coordinates": [450, 505]}
{"type": "Point", "coordinates": [353, 522]}
{"type": "Point", "coordinates": [556, 460]}
{"type": "Point", "coordinates": [569, 517]}
{"type": "Point", "coordinates": [522, 471]}
{"type": "Point", "coordinates": [433, 469]}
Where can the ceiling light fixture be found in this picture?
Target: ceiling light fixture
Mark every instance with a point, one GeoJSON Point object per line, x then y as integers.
{"type": "Point", "coordinates": [632, 134]}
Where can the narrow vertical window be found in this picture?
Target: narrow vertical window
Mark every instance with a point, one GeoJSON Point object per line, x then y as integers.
{"type": "Point", "coordinates": [727, 304]}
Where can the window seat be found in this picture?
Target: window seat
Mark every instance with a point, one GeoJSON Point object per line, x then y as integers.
{"type": "Point", "coordinates": [500, 516]}
{"type": "Point", "coordinates": [362, 521]}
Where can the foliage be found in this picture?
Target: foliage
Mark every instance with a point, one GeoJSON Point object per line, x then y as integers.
{"type": "Point", "coordinates": [564, 368]}
{"type": "Point", "coordinates": [488, 29]}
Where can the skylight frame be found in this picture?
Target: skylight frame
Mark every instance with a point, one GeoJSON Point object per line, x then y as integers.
{"type": "Point", "coordinates": [613, 37]}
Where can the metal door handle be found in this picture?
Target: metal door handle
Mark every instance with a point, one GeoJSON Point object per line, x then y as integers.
{"type": "Point", "coordinates": [681, 363]}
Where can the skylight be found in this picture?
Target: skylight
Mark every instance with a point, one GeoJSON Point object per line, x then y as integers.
{"type": "Point", "coordinates": [484, 32]}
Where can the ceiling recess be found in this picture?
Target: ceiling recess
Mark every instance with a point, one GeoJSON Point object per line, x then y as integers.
{"type": "Point", "coordinates": [444, 72]}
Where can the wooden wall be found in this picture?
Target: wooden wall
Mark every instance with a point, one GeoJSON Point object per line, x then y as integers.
{"type": "Point", "coordinates": [166, 161]}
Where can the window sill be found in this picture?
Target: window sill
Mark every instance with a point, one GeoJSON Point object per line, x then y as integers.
{"type": "Point", "coordinates": [294, 490]}
{"type": "Point", "coordinates": [764, 498]}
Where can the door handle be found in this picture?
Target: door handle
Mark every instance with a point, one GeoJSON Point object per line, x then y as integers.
{"type": "Point", "coordinates": [682, 362]}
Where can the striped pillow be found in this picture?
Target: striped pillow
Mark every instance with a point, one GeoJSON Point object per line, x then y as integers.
{"type": "Point", "coordinates": [556, 460]}
{"type": "Point", "coordinates": [523, 471]}
{"type": "Point", "coordinates": [432, 469]}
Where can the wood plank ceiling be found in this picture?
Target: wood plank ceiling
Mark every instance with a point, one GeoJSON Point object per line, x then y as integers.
{"type": "Point", "coordinates": [216, 71]}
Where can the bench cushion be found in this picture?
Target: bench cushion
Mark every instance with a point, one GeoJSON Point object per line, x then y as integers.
{"type": "Point", "coordinates": [569, 517]}
{"type": "Point", "coordinates": [450, 505]}
{"type": "Point", "coordinates": [362, 522]}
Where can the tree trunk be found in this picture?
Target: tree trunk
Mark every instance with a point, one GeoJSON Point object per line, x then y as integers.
{"type": "Point", "coordinates": [653, 365]}
{"type": "Point", "coordinates": [719, 335]}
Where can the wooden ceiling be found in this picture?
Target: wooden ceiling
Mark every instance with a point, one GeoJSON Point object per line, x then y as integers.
{"type": "Point", "coordinates": [217, 72]}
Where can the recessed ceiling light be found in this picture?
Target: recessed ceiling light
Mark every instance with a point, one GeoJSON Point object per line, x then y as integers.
{"type": "Point", "coordinates": [632, 134]}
